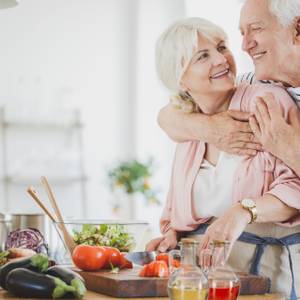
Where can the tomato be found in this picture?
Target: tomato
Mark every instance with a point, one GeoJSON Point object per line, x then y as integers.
{"type": "Point", "coordinates": [89, 258]}
{"type": "Point", "coordinates": [113, 257]}
{"type": "Point", "coordinates": [157, 268]}
{"type": "Point", "coordinates": [124, 263]}
{"type": "Point", "coordinates": [165, 257]}
{"type": "Point", "coordinates": [176, 263]}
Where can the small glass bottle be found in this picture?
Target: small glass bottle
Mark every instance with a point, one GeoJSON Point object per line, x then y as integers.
{"type": "Point", "coordinates": [188, 281]}
{"type": "Point", "coordinates": [223, 283]}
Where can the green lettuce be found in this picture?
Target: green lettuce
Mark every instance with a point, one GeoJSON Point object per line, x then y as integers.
{"type": "Point", "coordinates": [105, 235]}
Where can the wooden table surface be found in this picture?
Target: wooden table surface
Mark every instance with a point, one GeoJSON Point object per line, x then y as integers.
{"type": "Point", "coordinates": [95, 296]}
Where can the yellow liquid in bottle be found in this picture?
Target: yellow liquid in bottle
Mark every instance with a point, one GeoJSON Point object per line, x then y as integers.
{"type": "Point", "coordinates": [176, 293]}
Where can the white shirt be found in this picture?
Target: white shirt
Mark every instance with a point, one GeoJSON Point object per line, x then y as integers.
{"type": "Point", "coordinates": [250, 78]}
{"type": "Point", "coordinates": [212, 189]}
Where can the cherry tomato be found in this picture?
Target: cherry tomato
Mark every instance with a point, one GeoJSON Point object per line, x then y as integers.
{"type": "Point", "coordinates": [89, 258]}
{"type": "Point", "coordinates": [157, 268]}
{"type": "Point", "coordinates": [124, 263]}
{"type": "Point", "coordinates": [113, 257]}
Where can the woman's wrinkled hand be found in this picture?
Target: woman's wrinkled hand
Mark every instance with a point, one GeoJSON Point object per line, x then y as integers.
{"type": "Point", "coordinates": [227, 227]}
{"type": "Point", "coordinates": [163, 243]}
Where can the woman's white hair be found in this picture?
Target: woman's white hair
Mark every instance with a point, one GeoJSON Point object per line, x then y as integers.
{"type": "Point", "coordinates": [174, 50]}
{"type": "Point", "coordinates": [285, 10]}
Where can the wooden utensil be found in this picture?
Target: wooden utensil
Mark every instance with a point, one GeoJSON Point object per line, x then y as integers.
{"type": "Point", "coordinates": [66, 235]}
{"type": "Point", "coordinates": [31, 191]}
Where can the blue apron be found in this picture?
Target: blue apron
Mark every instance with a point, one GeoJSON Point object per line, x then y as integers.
{"type": "Point", "coordinates": [261, 243]}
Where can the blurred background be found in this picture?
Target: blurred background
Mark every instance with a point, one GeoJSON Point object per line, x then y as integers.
{"type": "Point", "coordinates": [79, 96]}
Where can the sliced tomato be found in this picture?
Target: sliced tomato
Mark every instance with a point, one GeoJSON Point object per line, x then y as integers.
{"type": "Point", "coordinates": [142, 272]}
{"type": "Point", "coordinates": [157, 268]}
{"type": "Point", "coordinates": [176, 263]}
{"type": "Point", "coordinates": [160, 268]}
{"type": "Point", "coordinates": [165, 257]}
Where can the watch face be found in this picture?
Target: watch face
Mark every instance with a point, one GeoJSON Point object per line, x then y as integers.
{"type": "Point", "coordinates": [248, 202]}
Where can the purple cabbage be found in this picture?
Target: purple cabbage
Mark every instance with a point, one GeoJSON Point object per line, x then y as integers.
{"type": "Point", "coordinates": [29, 238]}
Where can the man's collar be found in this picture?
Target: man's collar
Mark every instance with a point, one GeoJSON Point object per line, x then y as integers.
{"type": "Point", "coordinates": [294, 92]}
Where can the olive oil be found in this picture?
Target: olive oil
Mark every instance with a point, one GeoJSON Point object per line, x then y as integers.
{"type": "Point", "coordinates": [176, 293]}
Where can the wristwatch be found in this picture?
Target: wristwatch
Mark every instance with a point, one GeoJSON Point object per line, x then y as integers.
{"type": "Point", "coordinates": [250, 205]}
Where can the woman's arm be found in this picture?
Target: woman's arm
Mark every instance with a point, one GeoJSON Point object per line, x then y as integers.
{"type": "Point", "coordinates": [229, 131]}
{"type": "Point", "coordinates": [231, 225]}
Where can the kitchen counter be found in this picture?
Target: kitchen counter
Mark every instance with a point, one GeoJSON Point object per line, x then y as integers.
{"type": "Point", "coordinates": [95, 296]}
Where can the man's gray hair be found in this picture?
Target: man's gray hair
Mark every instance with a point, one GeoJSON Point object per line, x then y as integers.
{"type": "Point", "coordinates": [285, 10]}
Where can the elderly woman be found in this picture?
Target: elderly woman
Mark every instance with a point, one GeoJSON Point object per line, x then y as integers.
{"type": "Point", "coordinates": [217, 192]}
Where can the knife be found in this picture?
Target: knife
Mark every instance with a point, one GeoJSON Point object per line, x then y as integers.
{"type": "Point", "coordinates": [141, 258]}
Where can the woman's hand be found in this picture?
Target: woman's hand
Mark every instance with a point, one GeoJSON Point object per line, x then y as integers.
{"type": "Point", "coordinates": [163, 243]}
{"type": "Point", "coordinates": [227, 227]}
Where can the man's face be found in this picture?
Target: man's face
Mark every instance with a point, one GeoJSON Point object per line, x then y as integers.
{"type": "Point", "coordinates": [266, 41]}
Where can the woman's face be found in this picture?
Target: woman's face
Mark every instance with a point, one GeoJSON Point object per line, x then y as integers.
{"type": "Point", "coordinates": [211, 70]}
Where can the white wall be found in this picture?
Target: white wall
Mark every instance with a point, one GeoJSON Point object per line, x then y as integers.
{"type": "Point", "coordinates": [65, 54]}
{"type": "Point", "coordinates": [98, 56]}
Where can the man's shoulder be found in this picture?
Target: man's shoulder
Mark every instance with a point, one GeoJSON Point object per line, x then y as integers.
{"type": "Point", "coordinates": [246, 95]}
{"type": "Point", "coordinates": [261, 88]}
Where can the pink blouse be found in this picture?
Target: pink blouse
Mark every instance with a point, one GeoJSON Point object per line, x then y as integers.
{"type": "Point", "coordinates": [254, 176]}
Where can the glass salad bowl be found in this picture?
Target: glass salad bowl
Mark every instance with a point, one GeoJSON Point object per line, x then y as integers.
{"type": "Point", "coordinates": [124, 235]}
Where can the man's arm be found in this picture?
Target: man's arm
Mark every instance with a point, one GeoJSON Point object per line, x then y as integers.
{"type": "Point", "coordinates": [277, 136]}
{"type": "Point", "coordinates": [229, 131]}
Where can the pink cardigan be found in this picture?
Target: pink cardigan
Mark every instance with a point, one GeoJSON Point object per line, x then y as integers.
{"type": "Point", "coordinates": [254, 176]}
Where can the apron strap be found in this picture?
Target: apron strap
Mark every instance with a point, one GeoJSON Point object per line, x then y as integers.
{"type": "Point", "coordinates": [261, 244]}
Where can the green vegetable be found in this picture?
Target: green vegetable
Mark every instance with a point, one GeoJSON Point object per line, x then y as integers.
{"type": "Point", "coordinates": [3, 257]}
{"type": "Point", "coordinates": [105, 235]}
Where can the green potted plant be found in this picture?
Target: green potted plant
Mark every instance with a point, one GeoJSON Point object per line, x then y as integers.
{"type": "Point", "coordinates": [133, 177]}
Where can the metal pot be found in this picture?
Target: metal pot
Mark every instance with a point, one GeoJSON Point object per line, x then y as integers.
{"type": "Point", "coordinates": [10, 222]}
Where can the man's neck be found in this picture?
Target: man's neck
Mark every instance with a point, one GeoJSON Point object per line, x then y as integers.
{"type": "Point", "coordinates": [291, 76]}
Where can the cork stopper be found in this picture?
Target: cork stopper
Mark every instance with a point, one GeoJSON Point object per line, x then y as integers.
{"type": "Point", "coordinates": [188, 241]}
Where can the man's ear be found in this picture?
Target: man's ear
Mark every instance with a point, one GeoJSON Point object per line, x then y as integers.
{"type": "Point", "coordinates": [297, 30]}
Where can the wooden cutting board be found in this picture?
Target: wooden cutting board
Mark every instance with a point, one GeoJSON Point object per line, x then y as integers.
{"type": "Point", "coordinates": [127, 284]}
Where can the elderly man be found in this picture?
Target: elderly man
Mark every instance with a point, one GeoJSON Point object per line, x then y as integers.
{"type": "Point", "coordinates": [271, 36]}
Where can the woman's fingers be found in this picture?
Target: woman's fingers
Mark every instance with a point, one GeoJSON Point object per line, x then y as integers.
{"type": "Point", "coordinates": [239, 116]}
{"type": "Point", "coordinates": [154, 244]}
{"type": "Point", "coordinates": [245, 145]}
{"type": "Point", "coordinates": [169, 242]}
